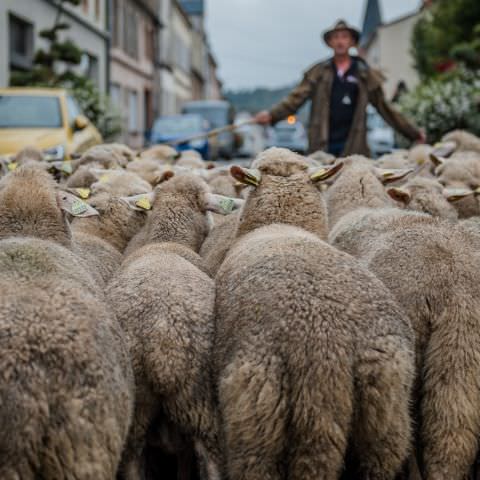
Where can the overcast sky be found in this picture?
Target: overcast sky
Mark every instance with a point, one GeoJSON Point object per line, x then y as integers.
{"type": "Point", "coordinates": [271, 42]}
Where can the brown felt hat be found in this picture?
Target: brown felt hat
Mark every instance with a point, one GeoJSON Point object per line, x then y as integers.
{"type": "Point", "coordinates": [339, 26]}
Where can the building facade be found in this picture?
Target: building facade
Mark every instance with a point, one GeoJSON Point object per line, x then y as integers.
{"type": "Point", "coordinates": [387, 46]}
{"type": "Point", "coordinates": [20, 24]}
{"type": "Point", "coordinates": [134, 28]}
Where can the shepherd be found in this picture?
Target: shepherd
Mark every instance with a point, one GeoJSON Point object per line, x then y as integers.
{"type": "Point", "coordinates": [340, 89]}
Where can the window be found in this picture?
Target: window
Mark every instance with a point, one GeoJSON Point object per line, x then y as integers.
{"type": "Point", "coordinates": [116, 95]}
{"type": "Point", "coordinates": [130, 31]}
{"type": "Point", "coordinates": [21, 43]}
{"type": "Point", "coordinates": [132, 111]}
{"type": "Point", "coordinates": [73, 109]}
{"type": "Point", "coordinates": [97, 10]}
{"type": "Point", "coordinates": [116, 23]}
{"type": "Point", "coordinates": [29, 111]}
{"type": "Point", "coordinates": [89, 67]}
{"type": "Point", "coordinates": [149, 43]}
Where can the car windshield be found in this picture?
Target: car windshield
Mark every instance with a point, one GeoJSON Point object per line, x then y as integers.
{"type": "Point", "coordinates": [29, 111]}
{"type": "Point", "coordinates": [178, 126]}
{"type": "Point", "coordinates": [216, 116]}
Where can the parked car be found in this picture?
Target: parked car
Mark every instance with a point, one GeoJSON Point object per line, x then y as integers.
{"type": "Point", "coordinates": [49, 119]}
{"type": "Point", "coordinates": [176, 127]}
{"type": "Point", "coordinates": [289, 134]}
{"type": "Point", "coordinates": [218, 113]}
{"type": "Point", "coordinates": [252, 140]}
{"type": "Point", "coordinates": [380, 137]}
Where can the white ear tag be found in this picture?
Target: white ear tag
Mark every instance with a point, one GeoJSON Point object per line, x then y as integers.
{"type": "Point", "coordinates": [79, 207]}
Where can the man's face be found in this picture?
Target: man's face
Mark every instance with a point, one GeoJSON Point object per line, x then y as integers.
{"type": "Point", "coordinates": [341, 42]}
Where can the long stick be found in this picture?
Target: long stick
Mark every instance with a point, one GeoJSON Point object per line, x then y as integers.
{"type": "Point", "coordinates": [212, 133]}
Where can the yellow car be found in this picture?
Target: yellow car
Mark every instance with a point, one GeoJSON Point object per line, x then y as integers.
{"type": "Point", "coordinates": [46, 118]}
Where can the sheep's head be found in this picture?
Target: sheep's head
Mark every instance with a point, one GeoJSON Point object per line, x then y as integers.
{"type": "Point", "coordinates": [32, 205]}
{"type": "Point", "coordinates": [428, 196]}
{"type": "Point", "coordinates": [361, 184]}
{"type": "Point", "coordinates": [460, 175]}
{"type": "Point", "coordinates": [283, 189]}
{"type": "Point", "coordinates": [116, 222]}
{"type": "Point", "coordinates": [179, 210]}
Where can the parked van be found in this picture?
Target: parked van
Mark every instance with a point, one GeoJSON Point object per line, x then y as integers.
{"type": "Point", "coordinates": [218, 113]}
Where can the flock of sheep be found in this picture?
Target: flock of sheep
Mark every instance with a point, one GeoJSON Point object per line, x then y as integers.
{"type": "Point", "coordinates": [306, 318]}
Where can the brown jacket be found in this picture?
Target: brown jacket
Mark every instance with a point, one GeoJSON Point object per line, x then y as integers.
{"type": "Point", "coordinates": [317, 84]}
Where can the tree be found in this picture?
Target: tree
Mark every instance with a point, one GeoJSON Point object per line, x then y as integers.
{"type": "Point", "coordinates": [54, 67]}
{"type": "Point", "coordinates": [448, 34]}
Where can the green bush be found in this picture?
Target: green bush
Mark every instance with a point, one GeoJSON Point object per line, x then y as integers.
{"type": "Point", "coordinates": [448, 32]}
{"type": "Point", "coordinates": [445, 103]}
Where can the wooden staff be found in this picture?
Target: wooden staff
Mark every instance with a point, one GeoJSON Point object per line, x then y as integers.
{"type": "Point", "coordinates": [212, 133]}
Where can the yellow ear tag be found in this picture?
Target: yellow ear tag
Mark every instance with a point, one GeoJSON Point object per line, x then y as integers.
{"type": "Point", "coordinates": [144, 203]}
{"type": "Point", "coordinates": [12, 166]}
{"type": "Point", "coordinates": [67, 167]}
{"type": "Point", "coordinates": [79, 207]}
{"type": "Point", "coordinates": [104, 178]}
{"type": "Point", "coordinates": [83, 192]}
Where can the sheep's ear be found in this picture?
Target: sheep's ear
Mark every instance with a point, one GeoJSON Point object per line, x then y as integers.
{"type": "Point", "coordinates": [389, 175]}
{"type": "Point", "coordinates": [163, 176]}
{"type": "Point", "coordinates": [320, 174]}
{"type": "Point", "coordinates": [444, 149]}
{"type": "Point", "coordinates": [400, 195]}
{"type": "Point", "coordinates": [455, 194]}
{"type": "Point", "coordinates": [246, 176]}
{"type": "Point", "coordinates": [141, 203]}
{"type": "Point", "coordinates": [437, 160]}
{"type": "Point", "coordinates": [74, 205]}
{"type": "Point", "coordinates": [222, 205]}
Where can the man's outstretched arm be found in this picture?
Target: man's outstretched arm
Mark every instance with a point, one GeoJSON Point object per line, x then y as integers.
{"type": "Point", "coordinates": [289, 105]}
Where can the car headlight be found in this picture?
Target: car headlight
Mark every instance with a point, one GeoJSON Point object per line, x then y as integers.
{"type": "Point", "coordinates": [199, 143]}
{"type": "Point", "coordinates": [55, 153]}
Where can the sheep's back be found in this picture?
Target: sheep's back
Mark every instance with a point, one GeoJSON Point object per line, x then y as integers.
{"type": "Point", "coordinates": [282, 289]}
{"type": "Point", "coordinates": [64, 359]}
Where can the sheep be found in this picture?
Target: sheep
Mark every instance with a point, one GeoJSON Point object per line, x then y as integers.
{"type": "Point", "coordinates": [396, 159]}
{"type": "Point", "coordinates": [28, 154]}
{"type": "Point", "coordinates": [160, 153]}
{"type": "Point", "coordinates": [311, 350]}
{"type": "Point", "coordinates": [190, 159]}
{"type": "Point", "coordinates": [218, 242]}
{"type": "Point", "coordinates": [432, 268]}
{"type": "Point", "coordinates": [461, 171]}
{"type": "Point", "coordinates": [463, 140]}
{"type": "Point", "coordinates": [66, 387]}
{"type": "Point", "coordinates": [148, 169]}
{"type": "Point", "coordinates": [83, 176]}
{"type": "Point", "coordinates": [100, 155]}
{"type": "Point", "coordinates": [165, 304]}
{"type": "Point", "coordinates": [119, 183]}
{"type": "Point", "coordinates": [322, 157]}
{"type": "Point", "coordinates": [428, 196]}
{"type": "Point", "coordinates": [100, 240]}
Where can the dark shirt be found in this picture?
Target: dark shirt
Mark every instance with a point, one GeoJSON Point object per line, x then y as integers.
{"type": "Point", "coordinates": [343, 101]}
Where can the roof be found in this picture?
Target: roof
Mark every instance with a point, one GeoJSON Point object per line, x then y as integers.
{"type": "Point", "coordinates": [371, 20]}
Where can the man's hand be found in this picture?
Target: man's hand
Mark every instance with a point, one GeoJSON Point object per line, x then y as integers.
{"type": "Point", "coordinates": [422, 138]}
{"type": "Point", "coordinates": [263, 118]}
